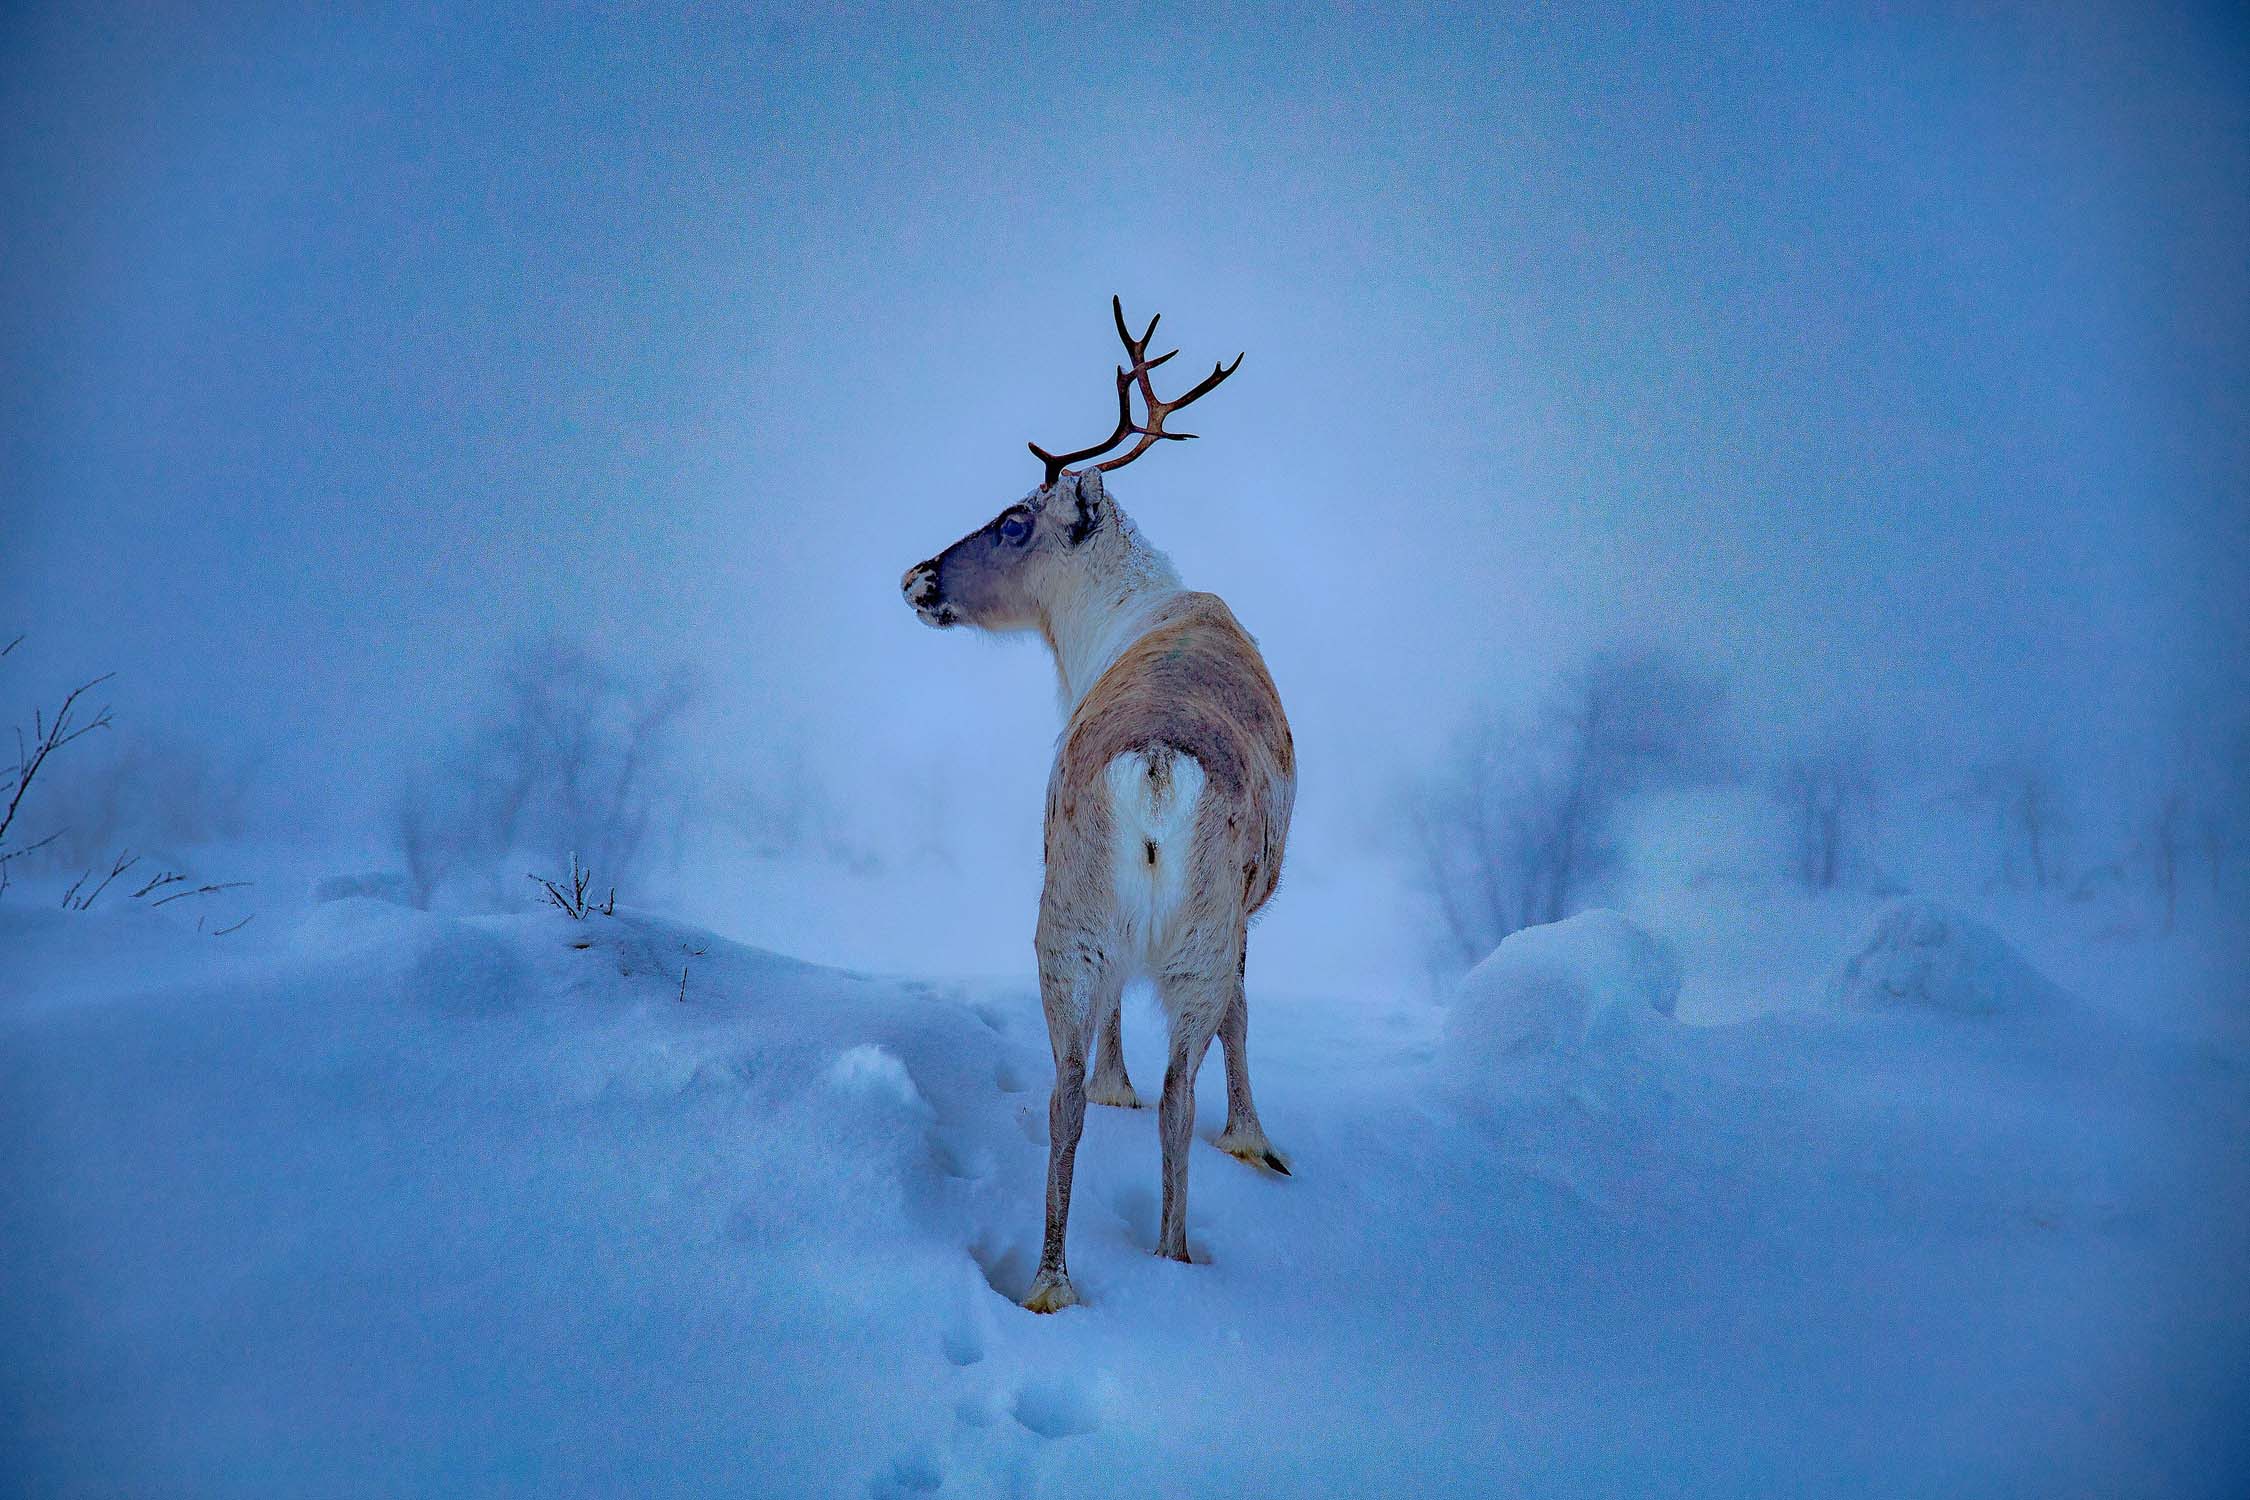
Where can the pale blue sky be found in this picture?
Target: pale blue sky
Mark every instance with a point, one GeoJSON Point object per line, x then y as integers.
{"type": "Point", "coordinates": [1897, 364]}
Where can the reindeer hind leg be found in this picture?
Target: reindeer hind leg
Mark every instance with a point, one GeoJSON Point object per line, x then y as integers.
{"type": "Point", "coordinates": [1110, 1085]}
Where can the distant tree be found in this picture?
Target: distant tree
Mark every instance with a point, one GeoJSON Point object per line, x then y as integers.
{"type": "Point", "coordinates": [2165, 842]}
{"type": "Point", "coordinates": [2224, 811]}
{"type": "Point", "coordinates": [2021, 798]}
{"type": "Point", "coordinates": [2195, 819]}
{"type": "Point", "coordinates": [1830, 793]}
{"type": "Point", "coordinates": [571, 755]}
{"type": "Point", "coordinates": [150, 790]}
{"type": "Point", "coordinates": [1517, 824]}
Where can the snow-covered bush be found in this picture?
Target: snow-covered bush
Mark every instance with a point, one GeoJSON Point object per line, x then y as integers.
{"type": "Point", "coordinates": [1916, 953]}
{"type": "Point", "coordinates": [1558, 987]}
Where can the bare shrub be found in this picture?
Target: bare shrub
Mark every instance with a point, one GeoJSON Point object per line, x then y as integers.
{"type": "Point", "coordinates": [69, 723]}
{"type": "Point", "coordinates": [569, 752]}
{"type": "Point", "coordinates": [1517, 825]}
{"type": "Point", "coordinates": [576, 901]}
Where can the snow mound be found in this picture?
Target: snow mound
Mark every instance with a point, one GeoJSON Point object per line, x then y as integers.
{"type": "Point", "coordinates": [1559, 987]}
{"type": "Point", "coordinates": [868, 1069]}
{"type": "Point", "coordinates": [1915, 953]}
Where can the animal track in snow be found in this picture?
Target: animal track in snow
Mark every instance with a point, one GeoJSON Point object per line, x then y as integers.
{"type": "Point", "coordinates": [964, 1165]}
{"type": "Point", "coordinates": [963, 1345]}
{"type": "Point", "coordinates": [914, 1473]}
{"type": "Point", "coordinates": [1058, 1406]}
{"type": "Point", "coordinates": [1006, 1267]}
{"type": "Point", "coordinates": [1137, 1206]}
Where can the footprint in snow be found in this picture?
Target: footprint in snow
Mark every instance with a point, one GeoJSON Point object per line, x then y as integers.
{"type": "Point", "coordinates": [963, 1345]}
{"type": "Point", "coordinates": [1006, 1265]}
{"type": "Point", "coordinates": [1059, 1406]}
{"type": "Point", "coordinates": [1137, 1206]}
{"type": "Point", "coordinates": [914, 1473]}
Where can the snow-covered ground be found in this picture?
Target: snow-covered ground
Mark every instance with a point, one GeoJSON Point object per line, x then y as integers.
{"type": "Point", "coordinates": [364, 1200]}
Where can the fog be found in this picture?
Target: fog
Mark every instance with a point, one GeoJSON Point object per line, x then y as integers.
{"type": "Point", "coordinates": [1893, 370]}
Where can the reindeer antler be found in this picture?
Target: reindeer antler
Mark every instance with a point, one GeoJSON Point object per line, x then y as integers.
{"type": "Point", "coordinates": [1152, 429]}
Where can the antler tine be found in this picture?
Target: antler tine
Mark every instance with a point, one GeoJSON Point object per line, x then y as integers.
{"type": "Point", "coordinates": [1153, 429]}
{"type": "Point", "coordinates": [1138, 371]}
{"type": "Point", "coordinates": [1139, 346]}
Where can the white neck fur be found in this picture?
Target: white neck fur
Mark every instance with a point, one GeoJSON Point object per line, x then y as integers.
{"type": "Point", "coordinates": [1114, 605]}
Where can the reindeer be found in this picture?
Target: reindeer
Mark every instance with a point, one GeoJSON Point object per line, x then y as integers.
{"type": "Point", "coordinates": [1167, 806]}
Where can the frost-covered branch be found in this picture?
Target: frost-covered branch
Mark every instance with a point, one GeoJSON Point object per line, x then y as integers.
{"type": "Point", "coordinates": [575, 903]}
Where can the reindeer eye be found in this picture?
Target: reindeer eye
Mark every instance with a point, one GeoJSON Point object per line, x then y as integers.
{"type": "Point", "coordinates": [1015, 528]}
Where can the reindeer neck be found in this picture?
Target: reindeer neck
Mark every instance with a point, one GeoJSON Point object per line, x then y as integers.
{"type": "Point", "coordinates": [1090, 627]}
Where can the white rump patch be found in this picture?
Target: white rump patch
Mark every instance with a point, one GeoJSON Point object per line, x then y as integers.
{"type": "Point", "coordinates": [1152, 798]}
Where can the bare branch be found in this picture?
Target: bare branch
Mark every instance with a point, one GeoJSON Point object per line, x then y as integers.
{"type": "Point", "coordinates": [9, 854]}
{"type": "Point", "coordinates": [574, 903]}
{"type": "Point", "coordinates": [73, 902]}
{"type": "Point", "coordinates": [203, 890]}
{"type": "Point", "coordinates": [45, 740]}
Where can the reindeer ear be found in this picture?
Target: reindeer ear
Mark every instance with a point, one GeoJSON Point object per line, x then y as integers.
{"type": "Point", "coordinates": [1086, 494]}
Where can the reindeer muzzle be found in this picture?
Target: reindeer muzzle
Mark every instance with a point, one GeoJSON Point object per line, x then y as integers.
{"type": "Point", "coordinates": [920, 586]}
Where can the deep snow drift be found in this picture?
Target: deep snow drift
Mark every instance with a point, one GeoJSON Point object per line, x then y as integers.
{"type": "Point", "coordinates": [397, 1203]}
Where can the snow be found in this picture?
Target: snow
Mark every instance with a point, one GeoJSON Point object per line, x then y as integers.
{"type": "Point", "coordinates": [1560, 986]}
{"type": "Point", "coordinates": [365, 1200]}
{"type": "Point", "coordinates": [1917, 952]}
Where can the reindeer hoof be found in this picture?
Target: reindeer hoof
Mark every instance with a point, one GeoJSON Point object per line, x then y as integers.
{"type": "Point", "coordinates": [1118, 1094]}
{"type": "Point", "coordinates": [1051, 1293]}
{"type": "Point", "coordinates": [1256, 1152]}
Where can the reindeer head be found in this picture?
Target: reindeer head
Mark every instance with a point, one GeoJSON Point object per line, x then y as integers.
{"type": "Point", "coordinates": [1006, 573]}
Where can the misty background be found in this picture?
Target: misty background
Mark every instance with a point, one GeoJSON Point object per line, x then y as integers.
{"type": "Point", "coordinates": [1870, 391]}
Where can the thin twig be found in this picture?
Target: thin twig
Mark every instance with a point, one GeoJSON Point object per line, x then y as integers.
{"type": "Point", "coordinates": [46, 739]}
{"type": "Point", "coordinates": [202, 890]}
{"type": "Point", "coordinates": [237, 927]}
{"type": "Point", "coordinates": [6, 855]}
{"type": "Point", "coordinates": [573, 903]}
{"type": "Point", "coordinates": [124, 862]}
